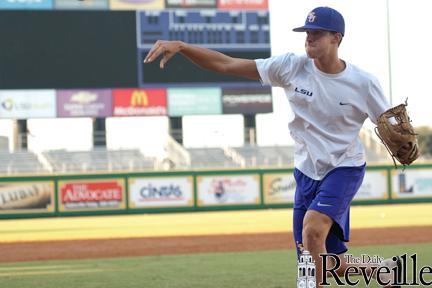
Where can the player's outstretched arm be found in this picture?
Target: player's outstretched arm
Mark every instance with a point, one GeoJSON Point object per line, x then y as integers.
{"type": "Point", "coordinates": [205, 58]}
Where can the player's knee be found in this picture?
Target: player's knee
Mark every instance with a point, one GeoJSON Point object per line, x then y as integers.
{"type": "Point", "coordinates": [313, 234]}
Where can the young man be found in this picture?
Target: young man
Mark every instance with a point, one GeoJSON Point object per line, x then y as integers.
{"type": "Point", "coordinates": [330, 99]}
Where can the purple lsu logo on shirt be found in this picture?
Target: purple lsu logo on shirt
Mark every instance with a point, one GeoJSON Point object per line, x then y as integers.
{"type": "Point", "coordinates": [303, 91]}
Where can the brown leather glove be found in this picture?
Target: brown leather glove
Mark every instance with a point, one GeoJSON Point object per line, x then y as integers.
{"type": "Point", "coordinates": [397, 134]}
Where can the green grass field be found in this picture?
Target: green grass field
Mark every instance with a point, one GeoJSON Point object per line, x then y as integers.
{"type": "Point", "coordinates": [274, 269]}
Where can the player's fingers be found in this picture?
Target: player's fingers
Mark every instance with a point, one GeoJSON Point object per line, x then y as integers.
{"type": "Point", "coordinates": [167, 56]}
{"type": "Point", "coordinates": [150, 53]}
{"type": "Point", "coordinates": [153, 53]}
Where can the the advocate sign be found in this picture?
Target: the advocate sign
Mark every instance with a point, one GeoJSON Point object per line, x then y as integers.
{"type": "Point", "coordinates": [139, 102]}
{"type": "Point", "coordinates": [94, 194]}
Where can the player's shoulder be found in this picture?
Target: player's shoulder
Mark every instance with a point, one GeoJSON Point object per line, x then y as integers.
{"type": "Point", "coordinates": [361, 75]}
{"type": "Point", "coordinates": [284, 62]}
{"type": "Point", "coordinates": [290, 57]}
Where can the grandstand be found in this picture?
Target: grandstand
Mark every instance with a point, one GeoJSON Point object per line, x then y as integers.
{"type": "Point", "coordinates": [22, 162]}
{"type": "Point", "coordinates": [211, 158]}
{"type": "Point", "coordinates": [101, 160]}
{"type": "Point", "coordinates": [62, 161]}
{"type": "Point", "coordinates": [175, 157]}
{"type": "Point", "coordinates": [268, 156]}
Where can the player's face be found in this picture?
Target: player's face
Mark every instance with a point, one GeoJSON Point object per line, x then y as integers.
{"type": "Point", "coordinates": [318, 43]}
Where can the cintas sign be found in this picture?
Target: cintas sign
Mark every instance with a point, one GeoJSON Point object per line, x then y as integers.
{"type": "Point", "coordinates": [148, 192]}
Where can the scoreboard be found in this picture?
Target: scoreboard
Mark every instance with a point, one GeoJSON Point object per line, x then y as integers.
{"type": "Point", "coordinates": [222, 30]}
{"type": "Point", "coordinates": [243, 34]}
{"type": "Point", "coordinates": [98, 50]}
{"type": "Point", "coordinates": [67, 49]}
{"type": "Point", "coordinates": [106, 49]}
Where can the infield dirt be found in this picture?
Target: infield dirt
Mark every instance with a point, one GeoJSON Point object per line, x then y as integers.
{"type": "Point", "coordinates": [106, 248]}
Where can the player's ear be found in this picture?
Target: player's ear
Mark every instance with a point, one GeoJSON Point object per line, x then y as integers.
{"type": "Point", "coordinates": [337, 37]}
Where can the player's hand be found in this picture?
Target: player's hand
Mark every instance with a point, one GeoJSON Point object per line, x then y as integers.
{"type": "Point", "coordinates": [165, 48]}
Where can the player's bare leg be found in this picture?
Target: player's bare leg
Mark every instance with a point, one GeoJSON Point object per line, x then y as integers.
{"type": "Point", "coordinates": [316, 227]}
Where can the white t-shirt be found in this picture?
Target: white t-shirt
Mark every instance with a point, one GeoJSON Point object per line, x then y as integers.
{"type": "Point", "coordinates": [329, 110]}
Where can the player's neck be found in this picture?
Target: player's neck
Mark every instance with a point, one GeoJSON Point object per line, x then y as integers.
{"type": "Point", "coordinates": [330, 65]}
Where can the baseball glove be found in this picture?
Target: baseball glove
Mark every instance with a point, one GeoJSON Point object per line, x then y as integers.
{"type": "Point", "coordinates": [397, 134]}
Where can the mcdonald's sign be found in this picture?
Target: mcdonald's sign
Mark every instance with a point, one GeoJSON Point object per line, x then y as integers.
{"type": "Point", "coordinates": [139, 98]}
{"type": "Point", "coordinates": [139, 102]}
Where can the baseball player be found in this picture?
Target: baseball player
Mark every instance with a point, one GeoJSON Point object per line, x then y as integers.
{"type": "Point", "coordinates": [330, 99]}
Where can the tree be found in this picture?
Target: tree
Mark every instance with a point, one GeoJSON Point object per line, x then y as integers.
{"type": "Point", "coordinates": [425, 140]}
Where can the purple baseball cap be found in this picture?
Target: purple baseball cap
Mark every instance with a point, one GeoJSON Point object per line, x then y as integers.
{"type": "Point", "coordinates": [323, 18]}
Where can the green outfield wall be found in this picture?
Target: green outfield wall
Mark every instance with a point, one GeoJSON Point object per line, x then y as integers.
{"type": "Point", "coordinates": [194, 190]}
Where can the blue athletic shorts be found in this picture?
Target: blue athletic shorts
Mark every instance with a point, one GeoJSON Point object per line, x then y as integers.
{"type": "Point", "coordinates": [331, 196]}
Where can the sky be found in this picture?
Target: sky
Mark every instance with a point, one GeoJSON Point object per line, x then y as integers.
{"type": "Point", "coordinates": [366, 45]}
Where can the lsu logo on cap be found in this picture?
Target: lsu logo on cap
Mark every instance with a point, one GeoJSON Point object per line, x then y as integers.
{"type": "Point", "coordinates": [311, 17]}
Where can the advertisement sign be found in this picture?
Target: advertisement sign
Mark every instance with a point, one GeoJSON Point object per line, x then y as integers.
{"type": "Point", "coordinates": [84, 103]}
{"type": "Point", "coordinates": [374, 186]}
{"type": "Point", "coordinates": [26, 4]}
{"type": "Point", "coordinates": [194, 101]}
{"type": "Point", "coordinates": [243, 4]}
{"type": "Point", "coordinates": [228, 190]}
{"type": "Point", "coordinates": [137, 4]}
{"type": "Point", "coordinates": [91, 195]}
{"type": "Point", "coordinates": [26, 197]}
{"type": "Point", "coordinates": [161, 192]}
{"type": "Point", "coordinates": [412, 183]}
{"type": "Point", "coordinates": [82, 5]}
{"type": "Point", "coordinates": [190, 3]}
{"type": "Point", "coordinates": [279, 188]}
{"type": "Point", "coordinates": [24, 104]}
{"type": "Point", "coordinates": [139, 102]}
{"type": "Point", "coordinates": [247, 101]}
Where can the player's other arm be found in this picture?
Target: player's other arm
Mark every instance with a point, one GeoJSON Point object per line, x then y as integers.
{"type": "Point", "coordinates": [204, 58]}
